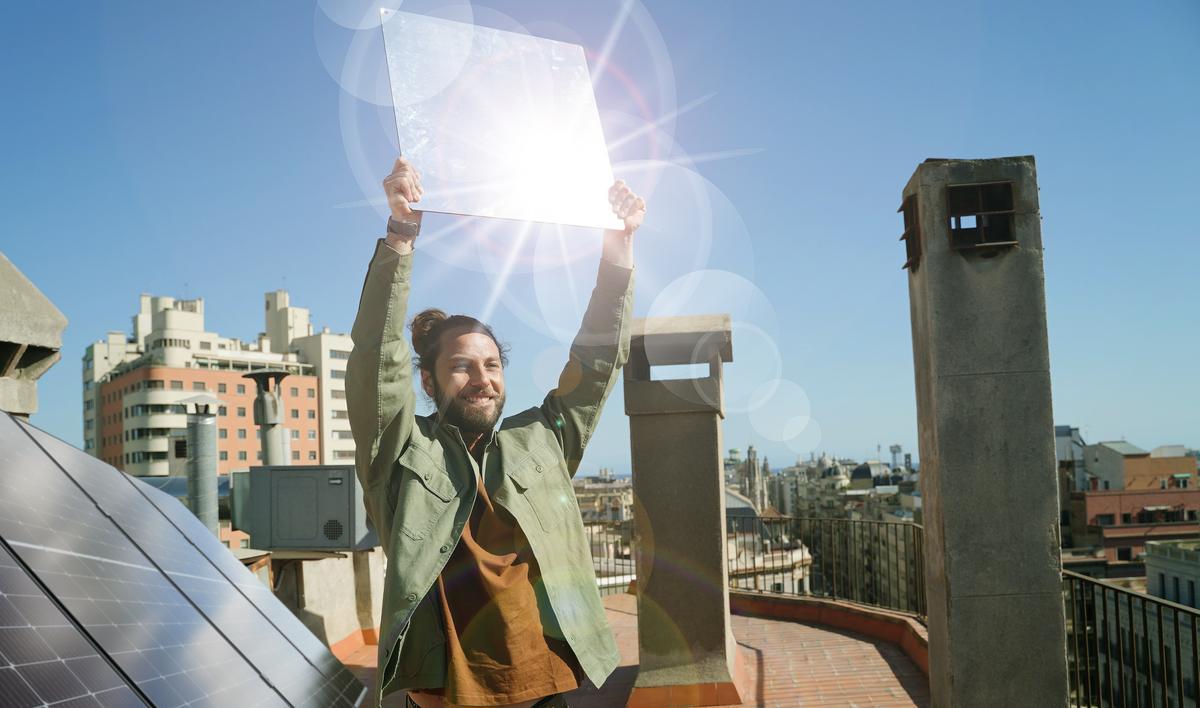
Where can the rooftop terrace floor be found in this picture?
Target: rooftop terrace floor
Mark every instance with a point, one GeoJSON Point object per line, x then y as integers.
{"type": "Point", "coordinates": [787, 664]}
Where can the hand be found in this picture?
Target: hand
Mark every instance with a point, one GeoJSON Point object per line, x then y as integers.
{"type": "Point", "coordinates": [628, 206]}
{"type": "Point", "coordinates": [402, 188]}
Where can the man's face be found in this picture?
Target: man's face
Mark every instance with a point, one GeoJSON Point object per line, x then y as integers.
{"type": "Point", "coordinates": [468, 381]}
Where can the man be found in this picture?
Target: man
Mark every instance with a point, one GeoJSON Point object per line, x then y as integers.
{"type": "Point", "coordinates": [490, 597]}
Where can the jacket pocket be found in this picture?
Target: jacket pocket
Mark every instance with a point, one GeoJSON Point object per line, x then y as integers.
{"type": "Point", "coordinates": [423, 493]}
{"type": "Point", "coordinates": [542, 482]}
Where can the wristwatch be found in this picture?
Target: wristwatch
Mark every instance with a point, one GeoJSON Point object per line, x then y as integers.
{"type": "Point", "coordinates": [408, 229]}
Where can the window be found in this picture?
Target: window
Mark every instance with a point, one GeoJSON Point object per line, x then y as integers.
{"type": "Point", "coordinates": [241, 388]}
{"type": "Point", "coordinates": [154, 384]}
{"type": "Point", "coordinates": [1104, 519]}
{"type": "Point", "coordinates": [338, 394]}
{"type": "Point", "coordinates": [241, 411]}
{"type": "Point", "coordinates": [221, 388]}
{"type": "Point", "coordinates": [344, 435]}
{"type": "Point", "coordinates": [181, 448]}
{"type": "Point", "coordinates": [224, 456]}
{"type": "Point", "coordinates": [1177, 596]}
{"type": "Point", "coordinates": [295, 413]}
{"type": "Point", "coordinates": [339, 354]}
{"type": "Point", "coordinates": [341, 414]}
{"type": "Point", "coordinates": [242, 455]}
{"type": "Point", "coordinates": [1125, 553]}
{"type": "Point", "coordinates": [241, 433]}
{"type": "Point", "coordinates": [295, 391]}
{"type": "Point", "coordinates": [312, 415]}
{"type": "Point", "coordinates": [1191, 593]}
{"type": "Point", "coordinates": [296, 455]}
{"type": "Point", "coordinates": [337, 374]}
{"type": "Point", "coordinates": [223, 433]}
{"type": "Point", "coordinates": [343, 454]}
{"type": "Point", "coordinates": [1127, 518]}
{"type": "Point", "coordinates": [206, 345]}
{"type": "Point", "coordinates": [981, 215]}
{"type": "Point", "coordinates": [1106, 484]}
{"type": "Point", "coordinates": [222, 411]}
{"type": "Point", "coordinates": [176, 385]}
{"type": "Point", "coordinates": [295, 434]}
{"type": "Point", "coordinates": [197, 385]}
{"type": "Point", "coordinates": [312, 393]}
{"type": "Point", "coordinates": [312, 454]}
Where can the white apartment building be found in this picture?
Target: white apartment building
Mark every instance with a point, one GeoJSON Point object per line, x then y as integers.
{"type": "Point", "coordinates": [134, 385]}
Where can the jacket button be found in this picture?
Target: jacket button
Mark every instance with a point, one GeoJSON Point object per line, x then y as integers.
{"type": "Point", "coordinates": [445, 548]}
{"type": "Point", "coordinates": [427, 476]}
{"type": "Point", "coordinates": [412, 597]}
{"type": "Point", "coordinates": [539, 468]}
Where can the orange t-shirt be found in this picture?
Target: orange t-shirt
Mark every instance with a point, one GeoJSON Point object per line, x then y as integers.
{"type": "Point", "coordinates": [496, 650]}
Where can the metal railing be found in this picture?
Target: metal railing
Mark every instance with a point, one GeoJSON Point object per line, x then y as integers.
{"type": "Point", "coordinates": [611, 543]}
{"type": "Point", "coordinates": [878, 563]}
{"type": "Point", "coordinates": [1125, 648]}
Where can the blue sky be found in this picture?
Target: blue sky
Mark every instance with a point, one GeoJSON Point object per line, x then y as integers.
{"type": "Point", "coordinates": [210, 150]}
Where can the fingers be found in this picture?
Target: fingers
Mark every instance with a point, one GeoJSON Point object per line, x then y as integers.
{"type": "Point", "coordinates": [402, 187]}
{"type": "Point", "coordinates": [628, 206]}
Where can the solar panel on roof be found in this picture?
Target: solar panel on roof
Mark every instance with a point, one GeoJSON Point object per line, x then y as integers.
{"type": "Point", "coordinates": [152, 588]}
{"type": "Point", "coordinates": [44, 658]}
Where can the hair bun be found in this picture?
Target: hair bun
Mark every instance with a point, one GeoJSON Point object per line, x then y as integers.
{"type": "Point", "coordinates": [422, 327]}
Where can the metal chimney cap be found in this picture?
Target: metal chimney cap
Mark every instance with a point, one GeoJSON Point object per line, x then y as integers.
{"type": "Point", "coordinates": [202, 399]}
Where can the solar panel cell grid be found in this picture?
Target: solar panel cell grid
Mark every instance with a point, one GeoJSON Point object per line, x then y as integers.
{"type": "Point", "coordinates": [43, 657]}
{"type": "Point", "coordinates": [299, 679]}
{"type": "Point", "coordinates": [98, 573]}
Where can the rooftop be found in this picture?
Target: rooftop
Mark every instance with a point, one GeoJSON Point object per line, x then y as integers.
{"type": "Point", "coordinates": [1124, 448]}
{"type": "Point", "coordinates": [787, 663]}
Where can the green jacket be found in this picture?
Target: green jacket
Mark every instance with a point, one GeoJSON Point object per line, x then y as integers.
{"type": "Point", "coordinates": [419, 482]}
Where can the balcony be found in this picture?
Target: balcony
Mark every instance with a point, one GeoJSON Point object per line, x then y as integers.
{"type": "Point", "coordinates": [825, 612]}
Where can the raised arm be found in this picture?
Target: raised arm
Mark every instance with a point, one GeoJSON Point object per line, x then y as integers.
{"type": "Point", "coordinates": [379, 390]}
{"type": "Point", "coordinates": [601, 347]}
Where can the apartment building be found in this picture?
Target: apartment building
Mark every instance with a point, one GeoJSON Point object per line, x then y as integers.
{"type": "Point", "coordinates": [134, 386]}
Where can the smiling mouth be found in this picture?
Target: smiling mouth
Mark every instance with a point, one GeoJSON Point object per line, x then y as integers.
{"type": "Point", "coordinates": [477, 400]}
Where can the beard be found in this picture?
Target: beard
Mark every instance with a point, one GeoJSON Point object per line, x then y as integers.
{"type": "Point", "coordinates": [466, 417]}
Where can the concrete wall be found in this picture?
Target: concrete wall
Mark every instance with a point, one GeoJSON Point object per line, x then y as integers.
{"type": "Point", "coordinates": [336, 598]}
{"type": "Point", "coordinates": [1107, 465]}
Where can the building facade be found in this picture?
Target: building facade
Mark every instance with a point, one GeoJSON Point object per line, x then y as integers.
{"type": "Point", "coordinates": [134, 387]}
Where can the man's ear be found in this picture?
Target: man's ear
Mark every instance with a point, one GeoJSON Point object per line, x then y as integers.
{"type": "Point", "coordinates": [427, 383]}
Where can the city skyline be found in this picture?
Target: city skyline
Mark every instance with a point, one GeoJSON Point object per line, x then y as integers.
{"type": "Point", "coordinates": [221, 157]}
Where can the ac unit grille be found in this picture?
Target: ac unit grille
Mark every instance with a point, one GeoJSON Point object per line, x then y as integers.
{"type": "Point", "coordinates": [333, 529]}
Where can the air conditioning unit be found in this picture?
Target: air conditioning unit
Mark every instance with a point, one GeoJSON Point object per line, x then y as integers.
{"type": "Point", "coordinates": [305, 507]}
